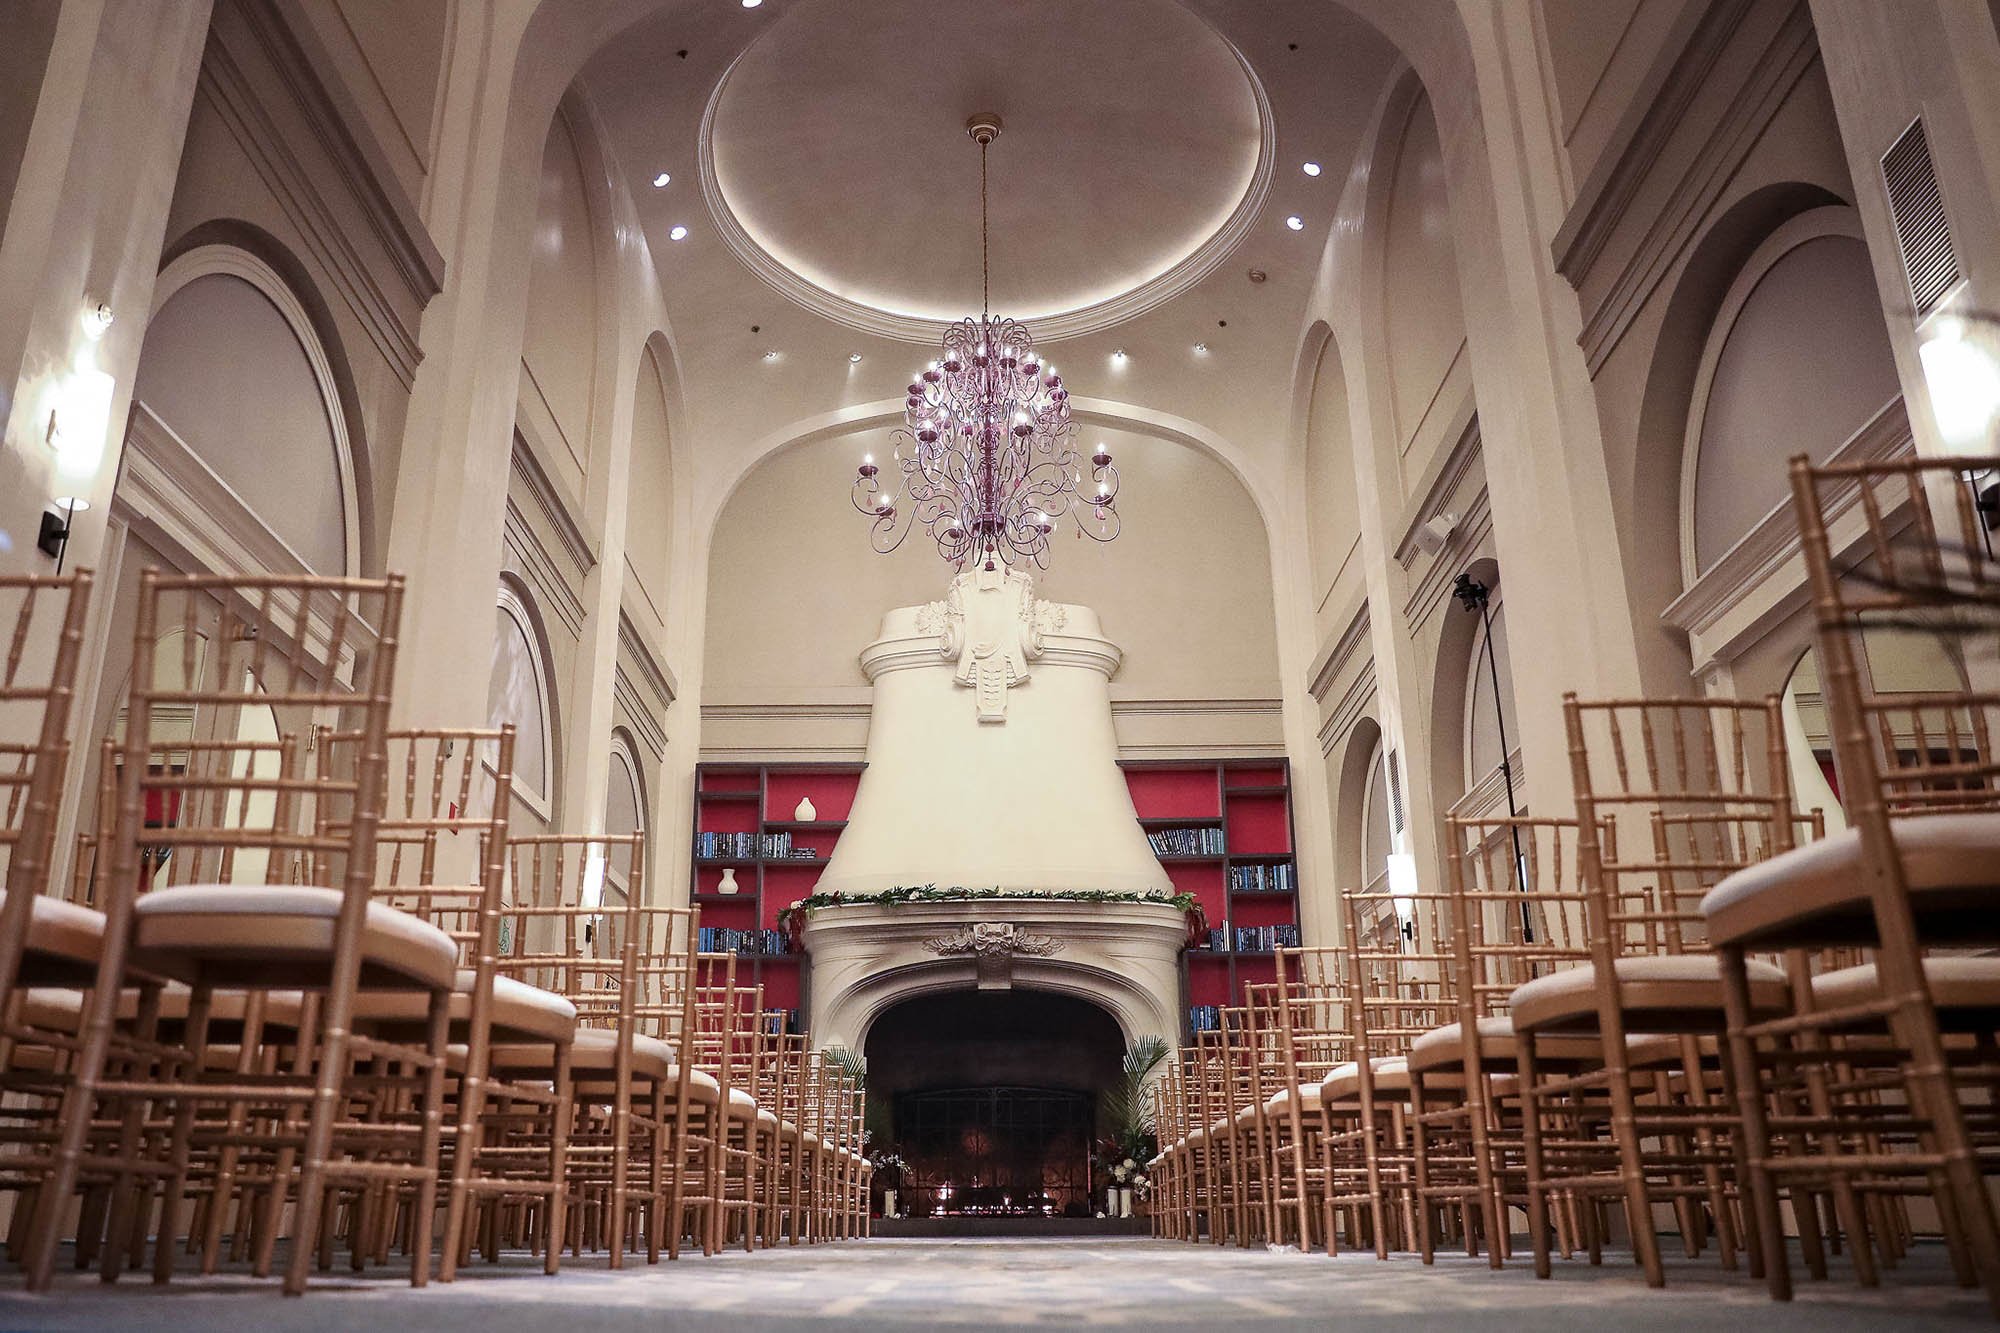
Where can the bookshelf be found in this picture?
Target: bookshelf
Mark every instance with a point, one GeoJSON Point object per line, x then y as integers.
{"type": "Point", "coordinates": [1223, 832]}
{"type": "Point", "coordinates": [758, 802]}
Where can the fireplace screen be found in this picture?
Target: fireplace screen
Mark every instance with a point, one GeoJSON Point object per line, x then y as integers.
{"type": "Point", "coordinates": [1002, 1151]}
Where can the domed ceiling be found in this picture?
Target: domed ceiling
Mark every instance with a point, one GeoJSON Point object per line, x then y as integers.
{"type": "Point", "coordinates": [820, 216]}
{"type": "Point", "coordinates": [1115, 184]}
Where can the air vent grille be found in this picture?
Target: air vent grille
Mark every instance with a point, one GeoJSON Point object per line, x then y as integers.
{"type": "Point", "coordinates": [1921, 226]}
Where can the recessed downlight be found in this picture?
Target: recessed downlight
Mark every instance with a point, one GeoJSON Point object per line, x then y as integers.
{"type": "Point", "coordinates": [1118, 357]}
{"type": "Point", "coordinates": [1310, 168]}
{"type": "Point", "coordinates": [1295, 222]}
{"type": "Point", "coordinates": [677, 233]}
{"type": "Point", "coordinates": [853, 358]}
{"type": "Point", "coordinates": [773, 354]}
{"type": "Point", "coordinates": [752, 4]}
{"type": "Point", "coordinates": [1201, 349]}
{"type": "Point", "coordinates": [662, 181]}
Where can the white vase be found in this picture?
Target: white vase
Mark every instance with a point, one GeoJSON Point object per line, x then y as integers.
{"type": "Point", "coordinates": [1124, 1203]}
{"type": "Point", "coordinates": [727, 884]}
{"type": "Point", "coordinates": [888, 1203]}
{"type": "Point", "coordinates": [805, 813]}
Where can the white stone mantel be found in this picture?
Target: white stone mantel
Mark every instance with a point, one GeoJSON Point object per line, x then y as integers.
{"type": "Point", "coordinates": [1123, 957]}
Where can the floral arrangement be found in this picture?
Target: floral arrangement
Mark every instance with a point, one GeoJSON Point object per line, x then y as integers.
{"type": "Point", "coordinates": [792, 920]}
{"type": "Point", "coordinates": [1128, 1174]}
{"type": "Point", "coordinates": [889, 1168]}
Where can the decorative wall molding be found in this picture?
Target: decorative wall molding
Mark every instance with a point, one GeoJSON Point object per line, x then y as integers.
{"type": "Point", "coordinates": [1487, 797]}
{"type": "Point", "coordinates": [553, 505]}
{"type": "Point", "coordinates": [1761, 579]}
{"type": "Point", "coordinates": [233, 261]}
{"type": "Point", "coordinates": [645, 725]}
{"type": "Point", "coordinates": [1439, 486]}
{"type": "Point", "coordinates": [1701, 112]}
{"type": "Point", "coordinates": [643, 686]}
{"type": "Point", "coordinates": [557, 586]}
{"type": "Point", "coordinates": [1355, 703]}
{"type": "Point", "coordinates": [268, 78]}
{"type": "Point", "coordinates": [1333, 659]}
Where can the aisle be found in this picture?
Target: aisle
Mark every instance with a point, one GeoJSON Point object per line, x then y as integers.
{"type": "Point", "coordinates": [907, 1284]}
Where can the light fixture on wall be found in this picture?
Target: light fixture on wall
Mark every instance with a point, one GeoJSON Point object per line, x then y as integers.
{"type": "Point", "coordinates": [54, 538]}
{"type": "Point", "coordinates": [1475, 596]}
{"type": "Point", "coordinates": [80, 418]}
{"type": "Point", "coordinates": [986, 460]}
{"type": "Point", "coordinates": [1963, 377]}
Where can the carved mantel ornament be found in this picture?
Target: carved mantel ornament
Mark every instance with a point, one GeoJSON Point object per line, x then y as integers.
{"type": "Point", "coordinates": [993, 945]}
{"type": "Point", "coordinates": [992, 622]}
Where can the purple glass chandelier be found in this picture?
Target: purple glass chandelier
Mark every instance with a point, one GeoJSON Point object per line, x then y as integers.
{"type": "Point", "coordinates": [986, 459]}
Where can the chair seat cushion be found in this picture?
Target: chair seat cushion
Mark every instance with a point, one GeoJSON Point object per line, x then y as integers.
{"type": "Point", "coordinates": [1278, 1101]}
{"type": "Point", "coordinates": [1443, 1048]}
{"type": "Point", "coordinates": [519, 1012]}
{"type": "Point", "coordinates": [1965, 990]}
{"type": "Point", "coordinates": [271, 935]}
{"type": "Point", "coordinates": [1817, 895]}
{"type": "Point", "coordinates": [1343, 1082]}
{"type": "Point", "coordinates": [593, 1055]}
{"type": "Point", "coordinates": [63, 943]}
{"type": "Point", "coordinates": [1658, 993]}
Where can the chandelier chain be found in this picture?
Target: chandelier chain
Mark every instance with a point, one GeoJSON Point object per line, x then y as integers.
{"type": "Point", "coordinates": [985, 265]}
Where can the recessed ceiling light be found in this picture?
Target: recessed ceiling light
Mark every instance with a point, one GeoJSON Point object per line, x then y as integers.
{"type": "Point", "coordinates": [1201, 349]}
{"type": "Point", "coordinates": [752, 4]}
{"type": "Point", "coordinates": [853, 357]}
{"type": "Point", "coordinates": [662, 180]}
{"type": "Point", "coordinates": [677, 233]}
{"type": "Point", "coordinates": [1119, 356]}
{"type": "Point", "coordinates": [771, 355]}
{"type": "Point", "coordinates": [1295, 222]}
{"type": "Point", "coordinates": [1310, 168]}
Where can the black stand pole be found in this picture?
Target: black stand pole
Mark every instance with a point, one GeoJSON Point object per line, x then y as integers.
{"type": "Point", "coordinates": [1476, 596]}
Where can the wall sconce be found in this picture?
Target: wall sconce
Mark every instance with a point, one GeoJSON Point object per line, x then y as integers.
{"type": "Point", "coordinates": [1964, 380]}
{"type": "Point", "coordinates": [54, 539]}
{"type": "Point", "coordinates": [80, 420]}
{"type": "Point", "coordinates": [593, 889]}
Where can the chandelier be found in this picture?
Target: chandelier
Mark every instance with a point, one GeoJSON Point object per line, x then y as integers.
{"type": "Point", "coordinates": [985, 460]}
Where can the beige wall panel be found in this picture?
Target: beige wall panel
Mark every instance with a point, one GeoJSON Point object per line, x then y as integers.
{"type": "Point", "coordinates": [389, 54]}
{"type": "Point", "coordinates": [559, 354]}
{"type": "Point", "coordinates": [1425, 321]}
{"type": "Point", "coordinates": [30, 28]}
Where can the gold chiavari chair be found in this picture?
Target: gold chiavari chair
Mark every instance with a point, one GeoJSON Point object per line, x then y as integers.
{"type": "Point", "coordinates": [44, 618]}
{"type": "Point", "coordinates": [1692, 789]}
{"type": "Point", "coordinates": [253, 891]}
{"type": "Point", "coordinates": [1516, 914]}
{"type": "Point", "coordinates": [1315, 1036]}
{"type": "Point", "coordinates": [1233, 1134]}
{"type": "Point", "coordinates": [664, 1011]}
{"type": "Point", "coordinates": [727, 1043]}
{"type": "Point", "coordinates": [570, 934]}
{"type": "Point", "coordinates": [441, 854]}
{"type": "Point", "coordinates": [1902, 1046]}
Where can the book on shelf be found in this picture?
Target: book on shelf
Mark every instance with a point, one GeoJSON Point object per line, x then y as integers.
{"type": "Point", "coordinates": [750, 847]}
{"type": "Point", "coordinates": [1282, 877]}
{"type": "Point", "coordinates": [745, 943]}
{"type": "Point", "coordinates": [1263, 939]}
{"type": "Point", "coordinates": [1186, 841]}
{"type": "Point", "coordinates": [1205, 1018]}
{"type": "Point", "coordinates": [1218, 938]}
{"type": "Point", "coordinates": [782, 1022]}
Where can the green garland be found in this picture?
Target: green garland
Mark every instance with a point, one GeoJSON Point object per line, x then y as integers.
{"type": "Point", "coordinates": [931, 893]}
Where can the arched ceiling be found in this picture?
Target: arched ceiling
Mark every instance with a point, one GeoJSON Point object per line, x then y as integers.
{"type": "Point", "coordinates": [1127, 186]}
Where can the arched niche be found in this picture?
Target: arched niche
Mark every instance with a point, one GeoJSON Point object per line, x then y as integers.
{"type": "Point", "coordinates": [519, 692]}
{"type": "Point", "coordinates": [649, 523]}
{"type": "Point", "coordinates": [1422, 309]}
{"type": "Point", "coordinates": [624, 809]}
{"type": "Point", "coordinates": [1185, 590]}
{"type": "Point", "coordinates": [1361, 828]}
{"type": "Point", "coordinates": [234, 385]}
{"type": "Point", "coordinates": [559, 352]}
{"type": "Point", "coordinates": [1333, 527]}
{"type": "Point", "coordinates": [1797, 360]}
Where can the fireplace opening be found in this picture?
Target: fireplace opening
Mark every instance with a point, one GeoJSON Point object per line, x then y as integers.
{"type": "Point", "coordinates": [991, 1098]}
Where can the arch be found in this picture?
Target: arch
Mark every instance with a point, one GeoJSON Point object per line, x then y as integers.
{"type": "Point", "coordinates": [624, 807]}
{"type": "Point", "coordinates": [231, 261]}
{"type": "Point", "coordinates": [1138, 1012]}
{"type": "Point", "coordinates": [1654, 483]}
{"type": "Point", "coordinates": [1459, 639]}
{"type": "Point", "coordinates": [1360, 761]}
{"type": "Point", "coordinates": [1332, 514]}
{"type": "Point", "coordinates": [519, 692]}
{"type": "Point", "coordinates": [1818, 256]}
{"type": "Point", "coordinates": [651, 489]}
{"type": "Point", "coordinates": [1423, 317]}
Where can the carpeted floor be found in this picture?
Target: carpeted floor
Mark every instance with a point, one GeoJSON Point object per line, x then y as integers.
{"type": "Point", "coordinates": [1067, 1283]}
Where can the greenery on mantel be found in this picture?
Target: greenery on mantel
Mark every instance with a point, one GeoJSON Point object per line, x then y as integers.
{"type": "Point", "coordinates": [931, 893]}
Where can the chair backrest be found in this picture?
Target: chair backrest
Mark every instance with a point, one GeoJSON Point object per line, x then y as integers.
{"type": "Point", "coordinates": [1692, 790]}
{"type": "Point", "coordinates": [1897, 551]}
{"type": "Point", "coordinates": [207, 793]}
{"type": "Point", "coordinates": [568, 930]}
{"type": "Point", "coordinates": [1399, 966]}
{"type": "Point", "coordinates": [1315, 1029]}
{"type": "Point", "coordinates": [42, 620]}
{"type": "Point", "coordinates": [664, 971]}
{"type": "Point", "coordinates": [441, 845]}
{"type": "Point", "coordinates": [1517, 906]}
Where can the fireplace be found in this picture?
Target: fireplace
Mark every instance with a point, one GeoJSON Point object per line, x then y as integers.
{"type": "Point", "coordinates": [992, 1099]}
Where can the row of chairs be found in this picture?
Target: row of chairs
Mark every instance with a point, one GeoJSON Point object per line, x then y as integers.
{"type": "Point", "coordinates": [306, 981]}
{"type": "Point", "coordinates": [1684, 1009]}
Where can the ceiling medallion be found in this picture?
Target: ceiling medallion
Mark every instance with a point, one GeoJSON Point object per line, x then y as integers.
{"type": "Point", "coordinates": [986, 459]}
